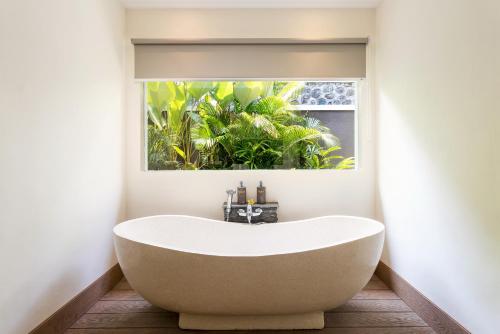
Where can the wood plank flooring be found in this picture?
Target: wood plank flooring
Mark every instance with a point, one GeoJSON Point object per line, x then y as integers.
{"type": "Point", "coordinates": [374, 310]}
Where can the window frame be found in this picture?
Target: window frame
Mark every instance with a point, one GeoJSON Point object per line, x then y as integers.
{"type": "Point", "coordinates": [357, 82]}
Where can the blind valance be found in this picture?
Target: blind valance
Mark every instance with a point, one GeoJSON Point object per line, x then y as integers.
{"type": "Point", "coordinates": [250, 59]}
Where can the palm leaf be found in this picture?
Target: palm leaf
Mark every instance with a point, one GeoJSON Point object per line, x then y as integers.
{"type": "Point", "coordinates": [290, 90]}
{"type": "Point", "coordinates": [261, 122]}
{"type": "Point", "coordinates": [270, 105]}
{"type": "Point", "coordinates": [348, 163]}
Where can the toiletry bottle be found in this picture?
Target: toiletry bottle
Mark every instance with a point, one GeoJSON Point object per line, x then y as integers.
{"type": "Point", "coordinates": [242, 194]}
{"type": "Point", "coordinates": [261, 194]}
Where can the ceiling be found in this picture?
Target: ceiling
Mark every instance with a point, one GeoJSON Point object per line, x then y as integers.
{"type": "Point", "coordinates": [251, 3]}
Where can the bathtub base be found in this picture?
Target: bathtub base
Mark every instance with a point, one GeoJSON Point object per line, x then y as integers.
{"type": "Point", "coordinates": [315, 320]}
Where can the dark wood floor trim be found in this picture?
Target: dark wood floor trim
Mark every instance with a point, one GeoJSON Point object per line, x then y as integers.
{"type": "Point", "coordinates": [63, 318]}
{"type": "Point", "coordinates": [435, 317]}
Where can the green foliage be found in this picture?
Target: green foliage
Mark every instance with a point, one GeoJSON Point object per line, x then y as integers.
{"type": "Point", "coordinates": [317, 158]}
{"type": "Point", "coordinates": [199, 88]}
{"type": "Point", "coordinates": [224, 125]}
{"type": "Point", "coordinates": [247, 91]}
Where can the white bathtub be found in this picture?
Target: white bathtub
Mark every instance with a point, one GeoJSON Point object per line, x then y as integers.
{"type": "Point", "coordinates": [221, 275]}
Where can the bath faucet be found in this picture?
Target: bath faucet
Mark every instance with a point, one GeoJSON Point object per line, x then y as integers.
{"type": "Point", "coordinates": [229, 202]}
{"type": "Point", "coordinates": [250, 213]}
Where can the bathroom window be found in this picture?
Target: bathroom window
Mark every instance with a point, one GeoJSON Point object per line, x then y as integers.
{"type": "Point", "coordinates": [223, 125]}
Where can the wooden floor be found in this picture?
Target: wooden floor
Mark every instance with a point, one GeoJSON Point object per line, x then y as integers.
{"type": "Point", "coordinates": [374, 310]}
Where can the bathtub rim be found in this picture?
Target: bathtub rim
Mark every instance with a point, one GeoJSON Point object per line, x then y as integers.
{"type": "Point", "coordinates": [381, 230]}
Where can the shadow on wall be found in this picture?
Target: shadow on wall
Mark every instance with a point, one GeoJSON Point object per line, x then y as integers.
{"type": "Point", "coordinates": [36, 306]}
{"type": "Point", "coordinates": [437, 201]}
{"type": "Point", "coordinates": [39, 306]}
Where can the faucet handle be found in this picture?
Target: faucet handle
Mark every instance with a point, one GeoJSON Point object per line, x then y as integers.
{"type": "Point", "coordinates": [257, 212]}
{"type": "Point", "coordinates": [230, 192]}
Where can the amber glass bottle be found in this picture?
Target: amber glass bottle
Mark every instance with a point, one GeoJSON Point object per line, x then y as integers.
{"type": "Point", "coordinates": [261, 194]}
{"type": "Point", "coordinates": [242, 194]}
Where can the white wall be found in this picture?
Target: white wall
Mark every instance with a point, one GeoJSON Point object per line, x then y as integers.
{"type": "Point", "coordinates": [438, 128]}
{"type": "Point", "coordinates": [300, 193]}
{"type": "Point", "coordinates": [61, 149]}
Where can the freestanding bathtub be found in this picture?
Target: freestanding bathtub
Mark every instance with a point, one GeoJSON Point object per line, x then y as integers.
{"type": "Point", "coordinates": [221, 275]}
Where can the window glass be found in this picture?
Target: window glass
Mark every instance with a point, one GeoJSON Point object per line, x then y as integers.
{"type": "Point", "coordinates": [194, 125]}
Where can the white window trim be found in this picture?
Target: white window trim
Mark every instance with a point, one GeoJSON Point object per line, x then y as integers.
{"type": "Point", "coordinates": [326, 107]}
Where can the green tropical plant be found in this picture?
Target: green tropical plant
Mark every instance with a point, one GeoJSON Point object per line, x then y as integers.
{"type": "Point", "coordinates": [318, 158]}
{"type": "Point", "coordinates": [218, 125]}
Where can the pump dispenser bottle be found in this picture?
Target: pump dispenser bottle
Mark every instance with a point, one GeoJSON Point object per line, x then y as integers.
{"type": "Point", "coordinates": [261, 194]}
{"type": "Point", "coordinates": [242, 194]}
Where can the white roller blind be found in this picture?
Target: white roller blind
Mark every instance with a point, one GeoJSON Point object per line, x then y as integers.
{"type": "Point", "coordinates": [250, 59]}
